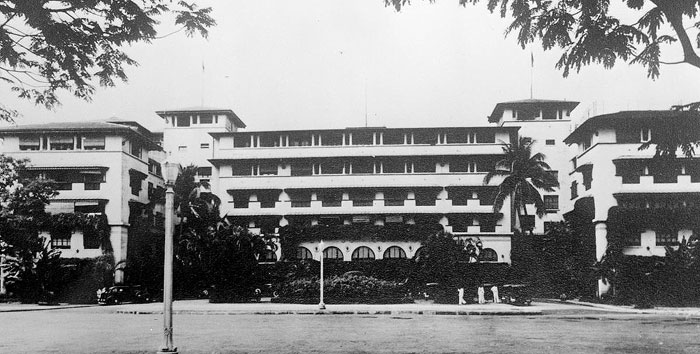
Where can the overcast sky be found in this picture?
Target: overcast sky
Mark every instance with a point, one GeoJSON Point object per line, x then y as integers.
{"type": "Point", "coordinates": [322, 64]}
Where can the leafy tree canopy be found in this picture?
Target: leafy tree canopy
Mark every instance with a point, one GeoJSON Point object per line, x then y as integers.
{"type": "Point", "coordinates": [52, 45]}
{"type": "Point", "coordinates": [598, 32]}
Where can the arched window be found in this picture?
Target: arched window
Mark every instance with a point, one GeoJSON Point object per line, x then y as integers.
{"type": "Point", "coordinates": [394, 252]}
{"type": "Point", "coordinates": [362, 253]}
{"type": "Point", "coordinates": [268, 256]}
{"type": "Point", "coordinates": [303, 253]}
{"type": "Point", "coordinates": [333, 254]}
{"type": "Point", "coordinates": [488, 255]}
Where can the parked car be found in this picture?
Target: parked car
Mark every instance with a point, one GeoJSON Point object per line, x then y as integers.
{"type": "Point", "coordinates": [123, 293]}
{"type": "Point", "coordinates": [516, 294]}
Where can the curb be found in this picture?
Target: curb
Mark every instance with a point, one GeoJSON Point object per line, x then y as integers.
{"type": "Point", "coordinates": [358, 312]}
{"type": "Point", "coordinates": [40, 308]}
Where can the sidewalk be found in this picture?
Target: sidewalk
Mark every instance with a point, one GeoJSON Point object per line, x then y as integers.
{"type": "Point", "coordinates": [203, 307]}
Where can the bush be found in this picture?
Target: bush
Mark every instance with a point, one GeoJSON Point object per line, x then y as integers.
{"type": "Point", "coordinates": [347, 288]}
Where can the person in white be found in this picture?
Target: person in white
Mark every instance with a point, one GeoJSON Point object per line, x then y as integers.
{"type": "Point", "coordinates": [496, 298]}
{"type": "Point", "coordinates": [480, 292]}
{"type": "Point", "coordinates": [461, 296]}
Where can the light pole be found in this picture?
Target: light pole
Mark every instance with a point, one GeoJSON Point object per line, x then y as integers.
{"type": "Point", "coordinates": [321, 305]}
{"type": "Point", "coordinates": [171, 172]}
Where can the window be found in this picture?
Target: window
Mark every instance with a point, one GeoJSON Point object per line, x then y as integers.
{"type": "Point", "coordinates": [587, 177]}
{"type": "Point", "coordinates": [549, 113]}
{"type": "Point", "coordinates": [29, 143]}
{"type": "Point", "coordinates": [362, 198]}
{"type": "Point", "coordinates": [424, 166]}
{"type": "Point", "coordinates": [182, 121]}
{"type": "Point", "coordinates": [332, 167]}
{"type": "Point", "coordinates": [300, 198]}
{"type": "Point", "coordinates": [204, 145]}
{"type": "Point", "coordinates": [61, 142]}
{"type": "Point", "coordinates": [574, 189]}
{"type": "Point", "coordinates": [425, 197]}
{"type": "Point", "coordinates": [204, 172]}
{"type": "Point", "coordinates": [424, 137]}
{"type": "Point", "coordinates": [135, 183]}
{"type": "Point", "coordinates": [303, 253]}
{"type": "Point", "coordinates": [549, 142]}
{"type": "Point", "coordinates": [268, 256]}
{"type": "Point", "coordinates": [486, 137]}
{"type": "Point", "coordinates": [267, 169]}
{"type": "Point", "coordinates": [462, 165]}
{"type": "Point", "coordinates": [633, 238]}
{"type": "Point", "coordinates": [364, 166]}
{"type": "Point", "coordinates": [61, 239]}
{"type": "Point", "coordinates": [645, 135]}
{"type": "Point", "coordinates": [394, 197]}
{"type": "Point", "coordinates": [393, 166]}
{"type": "Point", "coordinates": [362, 253]}
{"type": "Point", "coordinates": [93, 143]}
{"type": "Point", "coordinates": [240, 141]}
{"type": "Point", "coordinates": [488, 255]}
{"type": "Point", "coordinates": [393, 138]}
{"type": "Point", "coordinates": [92, 180]}
{"type": "Point", "coordinates": [91, 239]}
{"type": "Point", "coordinates": [182, 148]}
{"type": "Point", "coordinates": [362, 138]}
{"type": "Point", "coordinates": [136, 149]}
{"type": "Point", "coordinates": [666, 238]}
{"type": "Point", "coordinates": [394, 252]}
{"type": "Point", "coordinates": [206, 119]}
{"type": "Point", "coordinates": [302, 168]}
{"type": "Point", "coordinates": [332, 254]}
{"type": "Point", "coordinates": [458, 137]}
{"type": "Point", "coordinates": [330, 198]}
{"type": "Point", "coordinates": [242, 169]}
{"type": "Point", "coordinates": [551, 202]}
{"type": "Point", "coordinates": [331, 139]}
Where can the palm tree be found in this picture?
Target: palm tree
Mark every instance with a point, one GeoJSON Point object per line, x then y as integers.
{"type": "Point", "coordinates": [524, 175]}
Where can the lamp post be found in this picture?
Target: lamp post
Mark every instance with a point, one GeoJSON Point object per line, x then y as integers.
{"type": "Point", "coordinates": [321, 305]}
{"type": "Point", "coordinates": [171, 171]}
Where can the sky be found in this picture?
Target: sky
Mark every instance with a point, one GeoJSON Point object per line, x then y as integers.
{"type": "Point", "coordinates": [309, 64]}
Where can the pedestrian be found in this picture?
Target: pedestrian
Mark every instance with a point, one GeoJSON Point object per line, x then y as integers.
{"type": "Point", "coordinates": [480, 292]}
{"type": "Point", "coordinates": [496, 298]}
{"type": "Point", "coordinates": [460, 291]}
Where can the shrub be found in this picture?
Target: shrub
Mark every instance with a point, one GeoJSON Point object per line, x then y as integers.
{"type": "Point", "coordinates": [347, 288]}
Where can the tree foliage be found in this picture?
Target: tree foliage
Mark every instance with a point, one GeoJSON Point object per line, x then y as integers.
{"type": "Point", "coordinates": [524, 174]}
{"type": "Point", "coordinates": [52, 45]}
{"type": "Point", "coordinates": [601, 32]}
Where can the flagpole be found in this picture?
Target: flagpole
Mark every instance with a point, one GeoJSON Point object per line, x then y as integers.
{"type": "Point", "coordinates": [532, 69]}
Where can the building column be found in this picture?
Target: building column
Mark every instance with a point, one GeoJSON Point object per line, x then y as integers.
{"type": "Point", "coordinates": [601, 245]}
{"type": "Point", "coordinates": [118, 238]}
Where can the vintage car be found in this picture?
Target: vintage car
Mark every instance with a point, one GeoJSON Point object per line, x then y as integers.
{"type": "Point", "coordinates": [123, 293]}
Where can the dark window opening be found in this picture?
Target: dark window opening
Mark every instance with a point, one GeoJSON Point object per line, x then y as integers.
{"type": "Point", "coordinates": [394, 252]}
{"type": "Point", "coordinates": [60, 239]}
{"type": "Point", "coordinates": [394, 166]}
{"type": "Point", "coordinates": [29, 143]}
{"type": "Point", "coordinates": [331, 139]}
{"type": "Point", "coordinates": [362, 138]}
{"type": "Point", "coordinates": [549, 142]}
{"type": "Point", "coordinates": [363, 253]}
{"type": "Point", "coordinates": [393, 138]}
{"type": "Point", "coordinates": [242, 169]}
{"type": "Point", "coordinates": [332, 254]}
{"type": "Point", "coordinates": [551, 202]}
{"type": "Point", "coordinates": [363, 166]}
{"type": "Point", "coordinates": [182, 121]}
{"type": "Point", "coordinates": [425, 137]}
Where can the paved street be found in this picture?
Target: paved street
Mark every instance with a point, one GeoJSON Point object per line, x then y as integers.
{"type": "Point", "coordinates": [562, 330]}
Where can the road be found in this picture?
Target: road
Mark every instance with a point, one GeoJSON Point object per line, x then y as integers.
{"type": "Point", "coordinates": [92, 330]}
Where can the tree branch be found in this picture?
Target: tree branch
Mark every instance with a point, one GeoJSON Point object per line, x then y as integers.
{"type": "Point", "coordinates": [675, 18]}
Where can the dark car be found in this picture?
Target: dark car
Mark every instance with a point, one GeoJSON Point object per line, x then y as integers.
{"type": "Point", "coordinates": [516, 294]}
{"type": "Point", "coordinates": [123, 293]}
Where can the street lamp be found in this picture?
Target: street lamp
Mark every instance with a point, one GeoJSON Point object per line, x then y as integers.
{"type": "Point", "coordinates": [171, 171]}
{"type": "Point", "coordinates": [321, 305]}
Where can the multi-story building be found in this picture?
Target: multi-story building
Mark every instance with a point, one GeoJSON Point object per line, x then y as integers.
{"type": "Point", "coordinates": [99, 168]}
{"type": "Point", "coordinates": [548, 123]}
{"type": "Point", "coordinates": [185, 137]}
{"type": "Point", "coordinates": [369, 175]}
{"type": "Point", "coordinates": [646, 203]}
